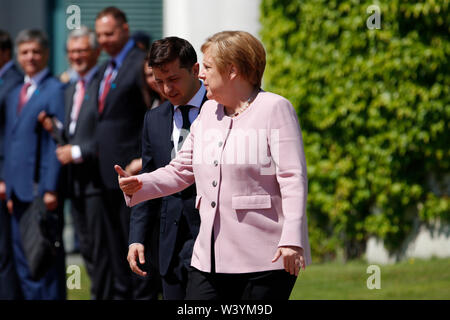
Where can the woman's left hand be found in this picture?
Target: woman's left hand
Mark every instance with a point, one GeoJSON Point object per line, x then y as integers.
{"type": "Point", "coordinates": [293, 258]}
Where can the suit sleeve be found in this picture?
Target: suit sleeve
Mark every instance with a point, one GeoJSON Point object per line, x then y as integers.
{"type": "Point", "coordinates": [175, 177]}
{"type": "Point", "coordinates": [2, 135]}
{"type": "Point", "coordinates": [88, 150]}
{"type": "Point", "coordinates": [145, 213]}
{"type": "Point", "coordinates": [286, 147]}
{"type": "Point", "coordinates": [49, 164]}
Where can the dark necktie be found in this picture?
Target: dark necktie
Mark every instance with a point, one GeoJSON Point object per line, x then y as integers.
{"type": "Point", "coordinates": [186, 124]}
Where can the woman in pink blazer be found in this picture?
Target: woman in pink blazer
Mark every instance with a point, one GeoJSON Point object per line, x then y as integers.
{"type": "Point", "coordinates": [245, 154]}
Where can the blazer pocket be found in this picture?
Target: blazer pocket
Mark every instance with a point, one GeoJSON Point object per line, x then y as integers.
{"type": "Point", "coordinates": [197, 201]}
{"type": "Point", "coordinates": [258, 201]}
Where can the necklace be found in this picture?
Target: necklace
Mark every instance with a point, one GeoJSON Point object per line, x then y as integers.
{"type": "Point", "coordinates": [246, 105]}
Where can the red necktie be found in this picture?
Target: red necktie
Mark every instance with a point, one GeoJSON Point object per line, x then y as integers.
{"type": "Point", "coordinates": [78, 99]}
{"type": "Point", "coordinates": [106, 87]}
{"type": "Point", "coordinates": [23, 96]}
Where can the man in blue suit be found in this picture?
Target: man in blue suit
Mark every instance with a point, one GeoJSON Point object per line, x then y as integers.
{"type": "Point", "coordinates": [176, 69]}
{"type": "Point", "coordinates": [10, 77]}
{"type": "Point", "coordinates": [25, 175]}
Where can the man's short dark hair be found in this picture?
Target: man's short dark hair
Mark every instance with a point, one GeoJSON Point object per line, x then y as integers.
{"type": "Point", "coordinates": [28, 35]}
{"type": "Point", "coordinates": [116, 13]}
{"type": "Point", "coordinates": [5, 41]}
{"type": "Point", "coordinates": [167, 50]}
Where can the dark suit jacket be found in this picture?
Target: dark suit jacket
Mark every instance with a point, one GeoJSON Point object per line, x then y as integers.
{"type": "Point", "coordinates": [83, 178]}
{"type": "Point", "coordinates": [120, 124]}
{"type": "Point", "coordinates": [175, 237]}
{"type": "Point", "coordinates": [22, 140]}
{"type": "Point", "coordinates": [10, 79]}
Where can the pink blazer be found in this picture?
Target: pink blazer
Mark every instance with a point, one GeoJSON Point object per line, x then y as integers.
{"type": "Point", "coordinates": [250, 173]}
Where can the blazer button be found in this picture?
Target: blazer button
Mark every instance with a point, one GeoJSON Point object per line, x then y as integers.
{"type": "Point", "coordinates": [220, 143]}
{"type": "Point", "coordinates": [175, 222]}
{"type": "Point", "coordinates": [216, 163]}
{"type": "Point", "coordinates": [213, 204]}
{"type": "Point", "coordinates": [214, 183]}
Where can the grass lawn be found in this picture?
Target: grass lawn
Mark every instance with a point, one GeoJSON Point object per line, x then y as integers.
{"type": "Point", "coordinates": [412, 279]}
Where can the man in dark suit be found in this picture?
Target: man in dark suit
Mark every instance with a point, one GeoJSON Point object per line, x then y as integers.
{"type": "Point", "coordinates": [78, 155]}
{"type": "Point", "coordinates": [176, 70]}
{"type": "Point", "coordinates": [23, 142]}
{"type": "Point", "coordinates": [121, 109]}
{"type": "Point", "coordinates": [10, 77]}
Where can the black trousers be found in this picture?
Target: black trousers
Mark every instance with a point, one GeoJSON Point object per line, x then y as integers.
{"type": "Point", "coordinates": [9, 283]}
{"type": "Point", "coordinates": [127, 285]}
{"type": "Point", "coordinates": [89, 220]}
{"type": "Point", "coordinates": [265, 285]}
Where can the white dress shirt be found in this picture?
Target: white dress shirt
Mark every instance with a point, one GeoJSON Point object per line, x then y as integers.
{"type": "Point", "coordinates": [196, 102]}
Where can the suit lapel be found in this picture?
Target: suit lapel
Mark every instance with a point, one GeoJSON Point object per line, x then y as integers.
{"type": "Point", "coordinates": [124, 68]}
{"type": "Point", "coordinates": [69, 105]}
{"type": "Point", "coordinates": [29, 104]}
{"type": "Point", "coordinates": [166, 129]}
{"type": "Point", "coordinates": [92, 89]}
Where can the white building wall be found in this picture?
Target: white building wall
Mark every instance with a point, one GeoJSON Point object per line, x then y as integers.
{"type": "Point", "coordinates": [424, 242]}
{"type": "Point", "coordinates": [196, 20]}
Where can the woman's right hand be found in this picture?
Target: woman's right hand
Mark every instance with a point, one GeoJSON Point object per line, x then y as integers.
{"type": "Point", "coordinates": [128, 184]}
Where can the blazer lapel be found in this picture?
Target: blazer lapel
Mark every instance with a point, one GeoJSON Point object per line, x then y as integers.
{"type": "Point", "coordinates": [166, 129]}
{"type": "Point", "coordinates": [120, 75]}
{"type": "Point", "coordinates": [69, 105]}
{"type": "Point", "coordinates": [32, 99]}
{"type": "Point", "coordinates": [90, 93]}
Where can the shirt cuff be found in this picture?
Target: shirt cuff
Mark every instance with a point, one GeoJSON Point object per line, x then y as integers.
{"type": "Point", "coordinates": [76, 154]}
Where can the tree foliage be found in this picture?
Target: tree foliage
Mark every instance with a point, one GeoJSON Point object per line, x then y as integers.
{"type": "Point", "coordinates": [374, 106]}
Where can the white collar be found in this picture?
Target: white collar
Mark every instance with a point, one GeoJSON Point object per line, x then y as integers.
{"type": "Point", "coordinates": [37, 78]}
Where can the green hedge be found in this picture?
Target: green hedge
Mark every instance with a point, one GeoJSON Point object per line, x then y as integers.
{"type": "Point", "coordinates": [374, 106]}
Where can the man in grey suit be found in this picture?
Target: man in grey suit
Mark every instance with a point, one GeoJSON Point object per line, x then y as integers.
{"type": "Point", "coordinates": [78, 155]}
{"type": "Point", "coordinates": [10, 77]}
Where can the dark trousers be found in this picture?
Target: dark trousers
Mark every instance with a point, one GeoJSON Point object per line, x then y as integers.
{"type": "Point", "coordinates": [52, 286]}
{"type": "Point", "coordinates": [149, 287]}
{"type": "Point", "coordinates": [9, 284]}
{"type": "Point", "coordinates": [173, 287]}
{"type": "Point", "coordinates": [265, 285]}
{"type": "Point", "coordinates": [126, 284]}
{"type": "Point", "coordinates": [89, 221]}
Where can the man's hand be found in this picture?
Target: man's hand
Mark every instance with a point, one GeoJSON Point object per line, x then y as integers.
{"type": "Point", "coordinates": [293, 258]}
{"type": "Point", "coordinates": [134, 166]}
{"type": "Point", "coordinates": [51, 200]}
{"type": "Point", "coordinates": [64, 154]}
{"type": "Point", "coordinates": [135, 251]}
{"type": "Point", "coordinates": [10, 206]}
{"type": "Point", "coordinates": [2, 190]}
{"type": "Point", "coordinates": [128, 184]}
{"type": "Point", "coordinates": [45, 121]}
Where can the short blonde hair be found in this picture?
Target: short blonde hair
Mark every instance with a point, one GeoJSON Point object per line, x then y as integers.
{"type": "Point", "coordinates": [241, 49]}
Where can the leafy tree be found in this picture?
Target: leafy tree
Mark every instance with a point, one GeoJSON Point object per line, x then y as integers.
{"type": "Point", "coordinates": [374, 106]}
